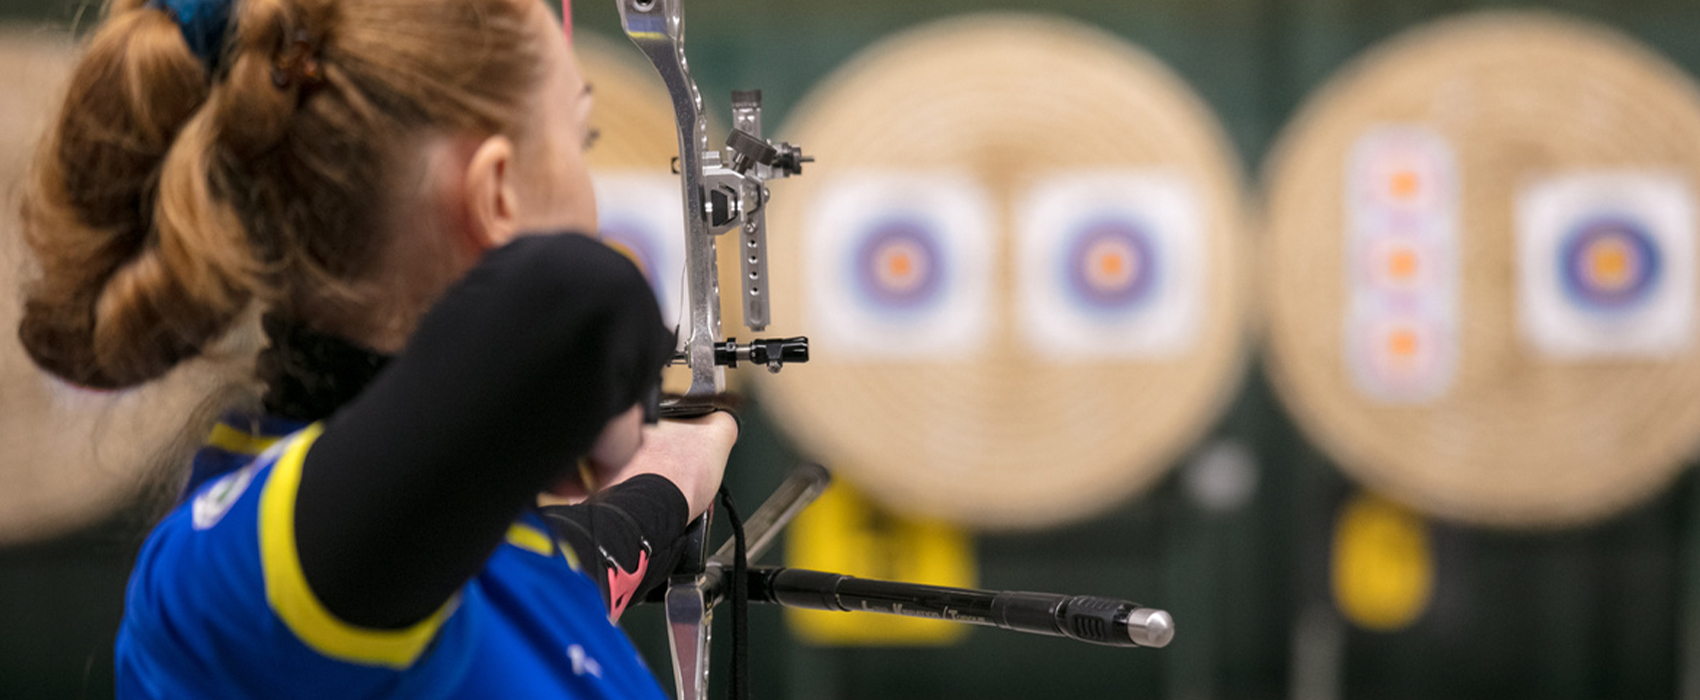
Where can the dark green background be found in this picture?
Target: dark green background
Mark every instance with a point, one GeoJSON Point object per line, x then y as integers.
{"type": "Point", "coordinates": [1605, 611]}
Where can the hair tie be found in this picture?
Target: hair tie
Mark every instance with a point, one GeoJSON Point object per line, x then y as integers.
{"type": "Point", "coordinates": [298, 63]}
{"type": "Point", "coordinates": [204, 24]}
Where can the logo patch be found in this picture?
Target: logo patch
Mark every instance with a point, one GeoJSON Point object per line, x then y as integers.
{"type": "Point", "coordinates": [583, 665]}
{"type": "Point", "coordinates": [216, 499]}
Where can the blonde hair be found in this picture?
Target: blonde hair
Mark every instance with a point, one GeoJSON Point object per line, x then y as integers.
{"type": "Point", "coordinates": [165, 201]}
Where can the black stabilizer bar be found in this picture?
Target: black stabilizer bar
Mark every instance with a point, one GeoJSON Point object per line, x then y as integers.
{"type": "Point", "coordinates": [1091, 619]}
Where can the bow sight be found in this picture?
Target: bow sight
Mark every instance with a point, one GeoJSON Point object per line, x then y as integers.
{"type": "Point", "coordinates": [723, 190]}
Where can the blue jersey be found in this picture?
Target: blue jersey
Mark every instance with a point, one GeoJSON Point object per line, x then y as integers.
{"type": "Point", "coordinates": [218, 607]}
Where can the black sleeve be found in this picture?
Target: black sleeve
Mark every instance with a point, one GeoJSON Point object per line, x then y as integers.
{"type": "Point", "coordinates": [506, 383]}
{"type": "Point", "coordinates": [628, 538]}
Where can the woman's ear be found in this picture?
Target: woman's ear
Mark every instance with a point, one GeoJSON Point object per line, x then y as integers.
{"type": "Point", "coordinates": [490, 195]}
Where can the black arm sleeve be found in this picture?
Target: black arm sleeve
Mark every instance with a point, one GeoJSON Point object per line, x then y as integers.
{"type": "Point", "coordinates": [506, 383]}
{"type": "Point", "coordinates": [628, 538]}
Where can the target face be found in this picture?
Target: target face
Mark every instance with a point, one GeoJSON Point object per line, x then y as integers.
{"type": "Point", "coordinates": [1403, 353]}
{"type": "Point", "coordinates": [1402, 266]}
{"type": "Point", "coordinates": [633, 242]}
{"type": "Point", "coordinates": [1401, 171]}
{"type": "Point", "coordinates": [1606, 264]}
{"type": "Point", "coordinates": [1553, 381]}
{"type": "Point", "coordinates": [1610, 265]}
{"type": "Point", "coordinates": [640, 218]}
{"type": "Point", "coordinates": [898, 266]}
{"type": "Point", "coordinates": [1402, 220]}
{"type": "Point", "coordinates": [1111, 265]}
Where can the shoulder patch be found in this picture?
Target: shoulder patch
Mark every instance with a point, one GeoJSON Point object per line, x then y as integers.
{"type": "Point", "coordinates": [216, 499]}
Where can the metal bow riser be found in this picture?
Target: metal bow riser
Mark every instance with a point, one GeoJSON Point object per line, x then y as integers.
{"type": "Point", "coordinates": [725, 190]}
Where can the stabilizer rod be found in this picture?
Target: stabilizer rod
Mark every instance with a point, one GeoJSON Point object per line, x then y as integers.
{"type": "Point", "coordinates": [1089, 619]}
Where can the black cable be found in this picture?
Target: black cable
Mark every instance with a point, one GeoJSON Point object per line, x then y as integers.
{"type": "Point", "coordinates": [740, 602]}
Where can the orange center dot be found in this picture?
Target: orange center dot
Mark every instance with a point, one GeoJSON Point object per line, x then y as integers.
{"type": "Point", "coordinates": [1611, 264]}
{"type": "Point", "coordinates": [1402, 343]}
{"type": "Point", "coordinates": [1402, 264]}
{"type": "Point", "coordinates": [900, 264]}
{"type": "Point", "coordinates": [1404, 184]}
{"type": "Point", "coordinates": [1111, 265]}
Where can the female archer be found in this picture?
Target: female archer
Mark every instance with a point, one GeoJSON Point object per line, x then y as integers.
{"type": "Point", "coordinates": [400, 184]}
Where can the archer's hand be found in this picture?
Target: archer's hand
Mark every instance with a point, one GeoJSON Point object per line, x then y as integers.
{"type": "Point", "coordinates": [690, 453]}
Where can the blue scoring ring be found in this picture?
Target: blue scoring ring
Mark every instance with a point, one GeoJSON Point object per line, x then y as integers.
{"type": "Point", "coordinates": [900, 266]}
{"type": "Point", "coordinates": [1121, 283]}
{"type": "Point", "coordinates": [1610, 264]}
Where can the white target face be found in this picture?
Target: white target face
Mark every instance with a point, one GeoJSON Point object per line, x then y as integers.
{"type": "Point", "coordinates": [1403, 266]}
{"type": "Point", "coordinates": [1402, 188]}
{"type": "Point", "coordinates": [1402, 172]}
{"type": "Point", "coordinates": [1401, 353]}
{"type": "Point", "coordinates": [640, 216]}
{"type": "Point", "coordinates": [898, 266]}
{"type": "Point", "coordinates": [1606, 264]}
{"type": "Point", "coordinates": [1111, 265]}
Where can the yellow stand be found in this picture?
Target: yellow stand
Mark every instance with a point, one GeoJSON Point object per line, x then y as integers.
{"type": "Point", "coordinates": [845, 533]}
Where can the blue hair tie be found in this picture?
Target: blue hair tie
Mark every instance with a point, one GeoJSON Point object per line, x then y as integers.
{"type": "Point", "coordinates": [204, 23]}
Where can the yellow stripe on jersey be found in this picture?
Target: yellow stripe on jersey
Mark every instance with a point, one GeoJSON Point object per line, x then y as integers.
{"type": "Point", "coordinates": [294, 602]}
{"type": "Point", "coordinates": [230, 439]}
{"type": "Point", "coordinates": [530, 539]}
{"type": "Point", "coordinates": [572, 558]}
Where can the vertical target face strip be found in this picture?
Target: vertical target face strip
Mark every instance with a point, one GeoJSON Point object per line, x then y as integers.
{"type": "Point", "coordinates": [1606, 265]}
{"type": "Point", "coordinates": [1111, 265]}
{"type": "Point", "coordinates": [899, 266]}
{"type": "Point", "coordinates": [1401, 324]}
{"type": "Point", "coordinates": [638, 216]}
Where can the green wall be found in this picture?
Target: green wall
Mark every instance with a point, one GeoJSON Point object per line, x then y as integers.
{"type": "Point", "coordinates": [1595, 612]}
